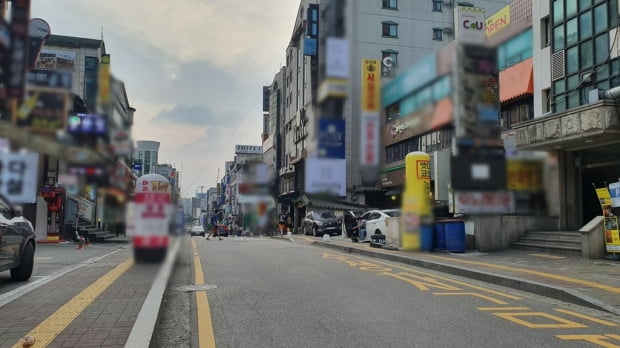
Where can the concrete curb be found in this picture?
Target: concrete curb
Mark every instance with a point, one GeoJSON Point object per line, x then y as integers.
{"type": "Point", "coordinates": [555, 292]}
{"type": "Point", "coordinates": [144, 326]}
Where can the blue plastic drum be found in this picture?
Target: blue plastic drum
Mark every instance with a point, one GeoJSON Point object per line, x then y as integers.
{"type": "Point", "coordinates": [455, 236]}
{"type": "Point", "coordinates": [440, 235]}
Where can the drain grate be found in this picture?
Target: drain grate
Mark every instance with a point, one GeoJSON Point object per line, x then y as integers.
{"type": "Point", "coordinates": [193, 288]}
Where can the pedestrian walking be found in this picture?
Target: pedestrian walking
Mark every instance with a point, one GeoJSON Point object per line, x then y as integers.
{"type": "Point", "coordinates": [282, 223]}
{"type": "Point", "coordinates": [214, 226]}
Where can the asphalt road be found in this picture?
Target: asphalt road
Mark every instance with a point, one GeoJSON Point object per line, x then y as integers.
{"type": "Point", "coordinates": [274, 293]}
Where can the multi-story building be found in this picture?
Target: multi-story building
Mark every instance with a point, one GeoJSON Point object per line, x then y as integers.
{"type": "Point", "coordinates": [401, 31]}
{"type": "Point", "coordinates": [146, 154]}
{"type": "Point", "coordinates": [576, 45]}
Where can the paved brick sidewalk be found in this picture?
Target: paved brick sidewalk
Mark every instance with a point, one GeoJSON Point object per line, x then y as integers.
{"type": "Point", "coordinates": [107, 321]}
{"type": "Point", "coordinates": [595, 283]}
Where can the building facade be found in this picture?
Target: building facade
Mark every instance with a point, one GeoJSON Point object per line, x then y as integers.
{"type": "Point", "coordinates": [146, 155]}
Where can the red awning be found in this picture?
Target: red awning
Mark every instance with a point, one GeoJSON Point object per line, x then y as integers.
{"type": "Point", "coordinates": [443, 113]}
{"type": "Point", "coordinates": [516, 81]}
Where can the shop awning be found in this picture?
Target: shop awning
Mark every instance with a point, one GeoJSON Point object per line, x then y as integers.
{"type": "Point", "coordinates": [443, 113]}
{"type": "Point", "coordinates": [331, 204]}
{"type": "Point", "coordinates": [516, 81]}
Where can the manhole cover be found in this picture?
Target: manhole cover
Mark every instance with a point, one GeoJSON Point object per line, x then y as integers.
{"type": "Point", "coordinates": [192, 288]}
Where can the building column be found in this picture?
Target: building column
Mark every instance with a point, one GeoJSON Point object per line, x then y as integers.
{"type": "Point", "coordinates": [570, 190]}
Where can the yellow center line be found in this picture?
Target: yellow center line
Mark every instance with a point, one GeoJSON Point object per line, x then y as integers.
{"type": "Point", "coordinates": [51, 327]}
{"type": "Point", "coordinates": [587, 317]}
{"type": "Point", "coordinates": [474, 294]}
{"type": "Point", "coordinates": [537, 273]}
{"type": "Point", "coordinates": [206, 337]}
{"type": "Point", "coordinates": [494, 292]}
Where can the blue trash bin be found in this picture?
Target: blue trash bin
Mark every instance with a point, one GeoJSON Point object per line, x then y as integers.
{"type": "Point", "coordinates": [455, 235]}
{"type": "Point", "coordinates": [426, 237]}
{"type": "Point", "coordinates": [440, 235]}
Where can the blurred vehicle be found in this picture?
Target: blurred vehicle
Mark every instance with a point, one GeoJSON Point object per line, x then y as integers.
{"type": "Point", "coordinates": [375, 221]}
{"type": "Point", "coordinates": [17, 242]}
{"type": "Point", "coordinates": [197, 231]}
{"type": "Point", "coordinates": [224, 230]}
{"type": "Point", "coordinates": [318, 223]}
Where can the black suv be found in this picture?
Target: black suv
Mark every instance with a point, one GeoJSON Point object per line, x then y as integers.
{"type": "Point", "coordinates": [16, 242]}
{"type": "Point", "coordinates": [318, 223]}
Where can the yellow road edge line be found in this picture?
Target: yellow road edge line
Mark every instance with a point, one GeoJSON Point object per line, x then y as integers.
{"type": "Point", "coordinates": [596, 339]}
{"type": "Point", "coordinates": [474, 294]}
{"type": "Point", "coordinates": [587, 317]}
{"type": "Point", "coordinates": [503, 308]}
{"type": "Point", "coordinates": [553, 257]}
{"type": "Point", "coordinates": [541, 274]}
{"type": "Point", "coordinates": [494, 292]}
{"type": "Point", "coordinates": [206, 336]}
{"type": "Point", "coordinates": [50, 328]}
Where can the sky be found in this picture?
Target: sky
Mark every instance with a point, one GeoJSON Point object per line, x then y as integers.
{"type": "Point", "coordinates": [193, 69]}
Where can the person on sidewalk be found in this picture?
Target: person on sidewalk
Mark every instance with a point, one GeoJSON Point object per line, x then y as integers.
{"type": "Point", "coordinates": [361, 230]}
{"type": "Point", "coordinates": [214, 226]}
{"type": "Point", "coordinates": [282, 223]}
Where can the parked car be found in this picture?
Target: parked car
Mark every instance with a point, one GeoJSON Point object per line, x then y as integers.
{"type": "Point", "coordinates": [318, 223]}
{"type": "Point", "coordinates": [375, 220]}
{"type": "Point", "coordinates": [17, 242]}
{"type": "Point", "coordinates": [197, 231]}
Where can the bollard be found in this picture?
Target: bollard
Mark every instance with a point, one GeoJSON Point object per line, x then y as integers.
{"type": "Point", "coordinates": [326, 237]}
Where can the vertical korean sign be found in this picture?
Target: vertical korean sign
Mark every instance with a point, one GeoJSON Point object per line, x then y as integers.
{"type": "Point", "coordinates": [15, 63]}
{"type": "Point", "coordinates": [610, 222]}
{"type": "Point", "coordinates": [18, 177]}
{"type": "Point", "coordinates": [371, 104]}
{"type": "Point", "coordinates": [104, 81]}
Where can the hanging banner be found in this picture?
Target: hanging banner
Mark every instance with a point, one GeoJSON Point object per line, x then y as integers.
{"type": "Point", "coordinates": [614, 192]}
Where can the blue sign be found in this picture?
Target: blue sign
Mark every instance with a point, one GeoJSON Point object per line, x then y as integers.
{"type": "Point", "coordinates": [614, 192]}
{"type": "Point", "coordinates": [137, 167]}
{"type": "Point", "coordinates": [87, 124]}
{"type": "Point", "coordinates": [331, 138]}
{"type": "Point", "coordinates": [309, 47]}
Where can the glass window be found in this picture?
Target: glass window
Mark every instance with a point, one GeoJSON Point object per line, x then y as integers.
{"type": "Point", "coordinates": [559, 87]}
{"type": "Point", "coordinates": [392, 54]}
{"type": "Point", "coordinates": [600, 13]}
{"type": "Point", "coordinates": [573, 99]}
{"type": "Point", "coordinates": [586, 54]}
{"type": "Point", "coordinates": [437, 5]}
{"type": "Point", "coordinates": [558, 38]}
{"type": "Point", "coordinates": [602, 72]}
{"type": "Point", "coordinates": [615, 67]}
{"type": "Point", "coordinates": [572, 82]}
{"type": "Point", "coordinates": [601, 49]}
{"type": "Point", "coordinates": [603, 85]}
{"type": "Point", "coordinates": [571, 32]}
{"type": "Point", "coordinates": [571, 8]}
{"type": "Point", "coordinates": [583, 4]}
{"type": "Point", "coordinates": [390, 29]}
{"type": "Point", "coordinates": [315, 14]}
{"type": "Point", "coordinates": [560, 103]}
{"type": "Point", "coordinates": [437, 34]}
{"type": "Point", "coordinates": [585, 25]}
{"type": "Point", "coordinates": [572, 60]}
{"type": "Point", "coordinates": [558, 11]}
{"type": "Point", "coordinates": [393, 4]}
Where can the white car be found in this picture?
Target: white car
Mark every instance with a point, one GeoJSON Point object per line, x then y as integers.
{"type": "Point", "coordinates": [197, 231]}
{"type": "Point", "coordinates": [375, 220]}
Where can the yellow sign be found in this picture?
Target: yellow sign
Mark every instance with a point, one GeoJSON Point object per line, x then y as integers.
{"type": "Point", "coordinates": [497, 21]}
{"type": "Point", "coordinates": [524, 175]}
{"type": "Point", "coordinates": [371, 85]}
{"type": "Point", "coordinates": [612, 235]}
{"type": "Point", "coordinates": [603, 197]}
{"type": "Point", "coordinates": [416, 205]}
{"type": "Point", "coordinates": [104, 80]}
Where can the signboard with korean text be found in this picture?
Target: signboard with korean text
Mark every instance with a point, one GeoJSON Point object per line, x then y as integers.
{"type": "Point", "coordinates": [524, 175]}
{"type": "Point", "coordinates": [483, 202]}
{"type": "Point", "coordinates": [18, 177]}
{"type": "Point", "coordinates": [153, 208]}
{"type": "Point", "coordinates": [614, 194]}
{"type": "Point", "coordinates": [121, 142]}
{"type": "Point", "coordinates": [371, 106]}
{"type": "Point", "coordinates": [497, 21]}
{"type": "Point", "coordinates": [56, 60]}
{"type": "Point", "coordinates": [44, 110]}
{"type": "Point", "coordinates": [103, 95]}
{"type": "Point", "coordinates": [90, 124]}
{"type": "Point", "coordinates": [51, 79]}
{"type": "Point", "coordinates": [15, 62]}
{"type": "Point", "coordinates": [337, 57]}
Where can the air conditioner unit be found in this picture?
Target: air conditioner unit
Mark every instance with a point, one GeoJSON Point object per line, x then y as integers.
{"type": "Point", "coordinates": [447, 30]}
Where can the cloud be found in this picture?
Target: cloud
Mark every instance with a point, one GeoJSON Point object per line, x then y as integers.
{"type": "Point", "coordinates": [197, 115]}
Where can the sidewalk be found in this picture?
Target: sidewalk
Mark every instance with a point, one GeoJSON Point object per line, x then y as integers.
{"type": "Point", "coordinates": [591, 283]}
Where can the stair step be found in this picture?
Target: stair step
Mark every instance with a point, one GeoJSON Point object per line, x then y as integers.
{"type": "Point", "coordinates": [547, 247]}
{"type": "Point", "coordinates": [569, 240]}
